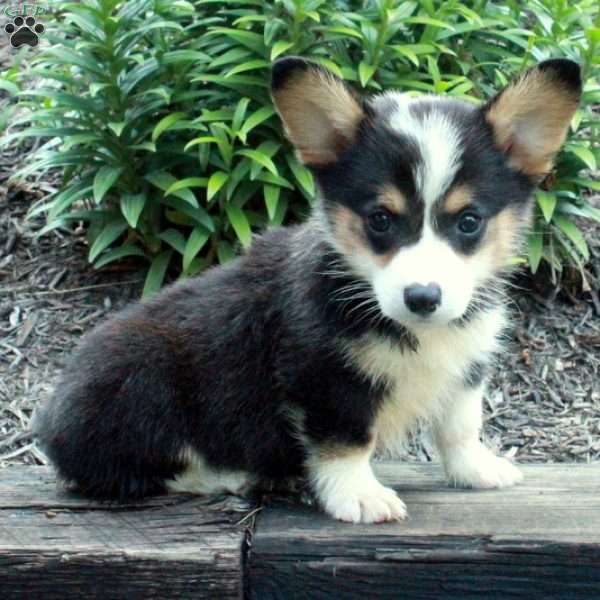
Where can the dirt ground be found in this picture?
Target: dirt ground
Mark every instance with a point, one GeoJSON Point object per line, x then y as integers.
{"type": "Point", "coordinates": [543, 399]}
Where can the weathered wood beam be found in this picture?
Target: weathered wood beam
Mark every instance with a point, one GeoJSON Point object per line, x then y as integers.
{"type": "Point", "coordinates": [55, 545]}
{"type": "Point", "coordinates": [540, 539]}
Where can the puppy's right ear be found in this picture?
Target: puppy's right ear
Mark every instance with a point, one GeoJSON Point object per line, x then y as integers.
{"type": "Point", "coordinates": [320, 114]}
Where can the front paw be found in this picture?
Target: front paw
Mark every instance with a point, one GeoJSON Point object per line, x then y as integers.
{"type": "Point", "coordinates": [374, 503]}
{"type": "Point", "coordinates": [480, 468]}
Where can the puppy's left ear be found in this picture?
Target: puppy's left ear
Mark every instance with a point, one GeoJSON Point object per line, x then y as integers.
{"type": "Point", "coordinates": [531, 116]}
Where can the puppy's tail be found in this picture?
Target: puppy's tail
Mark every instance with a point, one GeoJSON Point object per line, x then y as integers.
{"type": "Point", "coordinates": [104, 443]}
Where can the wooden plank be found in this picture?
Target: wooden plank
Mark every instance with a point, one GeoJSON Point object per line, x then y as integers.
{"type": "Point", "coordinates": [57, 545]}
{"type": "Point", "coordinates": [538, 540]}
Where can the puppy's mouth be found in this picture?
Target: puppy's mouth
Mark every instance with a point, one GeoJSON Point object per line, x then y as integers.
{"type": "Point", "coordinates": [433, 320]}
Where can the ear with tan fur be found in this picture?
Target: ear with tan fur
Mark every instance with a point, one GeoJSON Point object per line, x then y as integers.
{"type": "Point", "coordinates": [531, 116]}
{"type": "Point", "coordinates": [320, 114]}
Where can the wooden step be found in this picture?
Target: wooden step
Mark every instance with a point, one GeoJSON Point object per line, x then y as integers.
{"type": "Point", "coordinates": [540, 539]}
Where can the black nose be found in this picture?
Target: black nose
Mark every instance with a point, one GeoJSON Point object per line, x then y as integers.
{"type": "Point", "coordinates": [423, 299]}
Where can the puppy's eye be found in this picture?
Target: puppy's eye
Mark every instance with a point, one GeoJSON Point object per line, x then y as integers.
{"type": "Point", "coordinates": [469, 223]}
{"type": "Point", "coordinates": [379, 221]}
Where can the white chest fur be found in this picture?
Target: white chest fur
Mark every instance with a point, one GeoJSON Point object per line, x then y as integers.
{"type": "Point", "coordinates": [421, 382]}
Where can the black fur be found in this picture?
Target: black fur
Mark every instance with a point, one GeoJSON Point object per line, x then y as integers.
{"type": "Point", "coordinates": [284, 67]}
{"type": "Point", "coordinates": [213, 363]}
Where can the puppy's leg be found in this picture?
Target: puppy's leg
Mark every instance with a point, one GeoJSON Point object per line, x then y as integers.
{"type": "Point", "coordinates": [346, 487]}
{"type": "Point", "coordinates": [468, 463]}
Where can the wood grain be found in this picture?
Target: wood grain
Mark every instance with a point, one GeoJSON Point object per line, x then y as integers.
{"type": "Point", "coordinates": [538, 540]}
{"type": "Point", "coordinates": [54, 544]}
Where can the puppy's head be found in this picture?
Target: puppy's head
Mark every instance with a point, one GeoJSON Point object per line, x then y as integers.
{"type": "Point", "coordinates": [426, 198]}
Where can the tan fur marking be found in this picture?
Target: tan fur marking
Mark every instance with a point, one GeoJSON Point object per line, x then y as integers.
{"type": "Point", "coordinates": [458, 199]}
{"type": "Point", "coordinates": [319, 113]}
{"type": "Point", "coordinates": [530, 120]}
{"type": "Point", "coordinates": [393, 199]}
{"type": "Point", "coordinates": [503, 238]}
{"type": "Point", "coordinates": [348, 230]}
{"type": "Point", "coordinates": [331, 451]}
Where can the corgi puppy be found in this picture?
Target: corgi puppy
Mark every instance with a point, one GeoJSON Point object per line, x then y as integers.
{"type": "Point", "coordinates": [330, 339]}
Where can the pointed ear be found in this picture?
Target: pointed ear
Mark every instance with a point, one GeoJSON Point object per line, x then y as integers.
{"type": "Point", "coordinates": [320, 114]}
{"type": "Point", "coordinates": [531, 116]}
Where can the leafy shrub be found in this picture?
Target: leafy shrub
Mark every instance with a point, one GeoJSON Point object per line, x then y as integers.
{"type": "Point", "coordinates": [158, 112]}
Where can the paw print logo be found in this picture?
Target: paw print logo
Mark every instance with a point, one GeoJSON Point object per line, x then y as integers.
{"type": "Point", "coordinates": [24, 31]}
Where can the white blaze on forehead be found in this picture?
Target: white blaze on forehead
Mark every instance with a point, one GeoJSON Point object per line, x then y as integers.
{"type": "Point", "coordinates": [438, 140]}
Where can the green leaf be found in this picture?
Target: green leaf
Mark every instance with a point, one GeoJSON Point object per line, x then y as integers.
{"type": "Point", "coordinates": [205, 139]}
{"type": "Point", "coordinates": [240, 224]}
{"type": "Point", "coordinates": [195, 243]}
{"type": "Point", "coordinates": [223, 143]}
{"type": "Point", "coordinates": [573, 233]}
{"type": "Point", "coordinates": [197, 214]}
{"type": "Point", "coordinates": [593, 34]}
{"type": "Point", "coordinates": [233, 55]}
{"type": "Point", "coordinates": [156, 273]}
{"type": "Point", "coordinates": [279, 48]}
{"type": "Point", "coordinates": [107, 236]}
{"type": "Point", "coordinates": [80, 138]}
{"type": "Point", "coordinates": [429, 21]}
{"type": "Point", "coordinates": [132, 206]}
{"type": "Point", "coordinates": [225, 252]}
{"type": "Point", "coordinates": [345, 31]}
{"type": "Point", "coordinates": [274, 180]}
{"type": "Point", "coordinates": [585, 155]}
{"type": "Point", "coordinates": [164, 181]}
{"type": "Point", "coordinates": [256, 118]}
{"type": "Point", "coordinates": [271, 194]}
{"type": "Point", "coordinates": [279, 216]}
{"type": "Point", "coordinates": [585, 210]}
{"type": "Point", "coordinates": [147, 146]}
{"type": "Point", "coordinates": [302, 174]}
{"type": "Point", "coordinates": [250, 65]}
{"type": "Point", "coordinates": [66, 198]}
{"type": "Point", "coordinates": [165, 123]}
{"type": "Point", "coordinates": [239, 114]}
{"type": "Point", "coordinates": [188, 182]}
{"type": "Point", "coordinates": [174, 238]}
{"type": "Point", "coordinates": [9, 86]}
{"type": "Point", "coordinates": [215, 183]}
{"type": "Point", "coordinates": [547, 202]}
{"type": "Point", "coordinates": [181, 56]}
{"type": "Point", "coordinates": [365, 72]}
{"type": "Point", "coordinates": [408, 53]}
{"type": "Point", "coordinates": [260, 158]}
{"type": "Point", "coordinates": [105, 178]}
{"type": "Point", "coordinates": [535, 244]}
{"type": "Point", "coordinates": [117, 254]}
{"type": "Point", "coordinates": [251, 40]}
{"type": "Point", "coordinates": [117, 127]}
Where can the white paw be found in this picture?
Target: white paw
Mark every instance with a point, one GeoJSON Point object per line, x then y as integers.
{"type": "Point", "coordinates": [374, 504]}
{"type": "Point", "coordinates": [481, 468]}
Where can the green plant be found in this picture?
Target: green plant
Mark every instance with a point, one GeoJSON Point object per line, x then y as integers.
{"type": "Point", "coordinates": [159, 116]}
{"type": "Point", "coordinates": [157, 164]}
{"type": "Point", "coordinates": [9, 86]}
